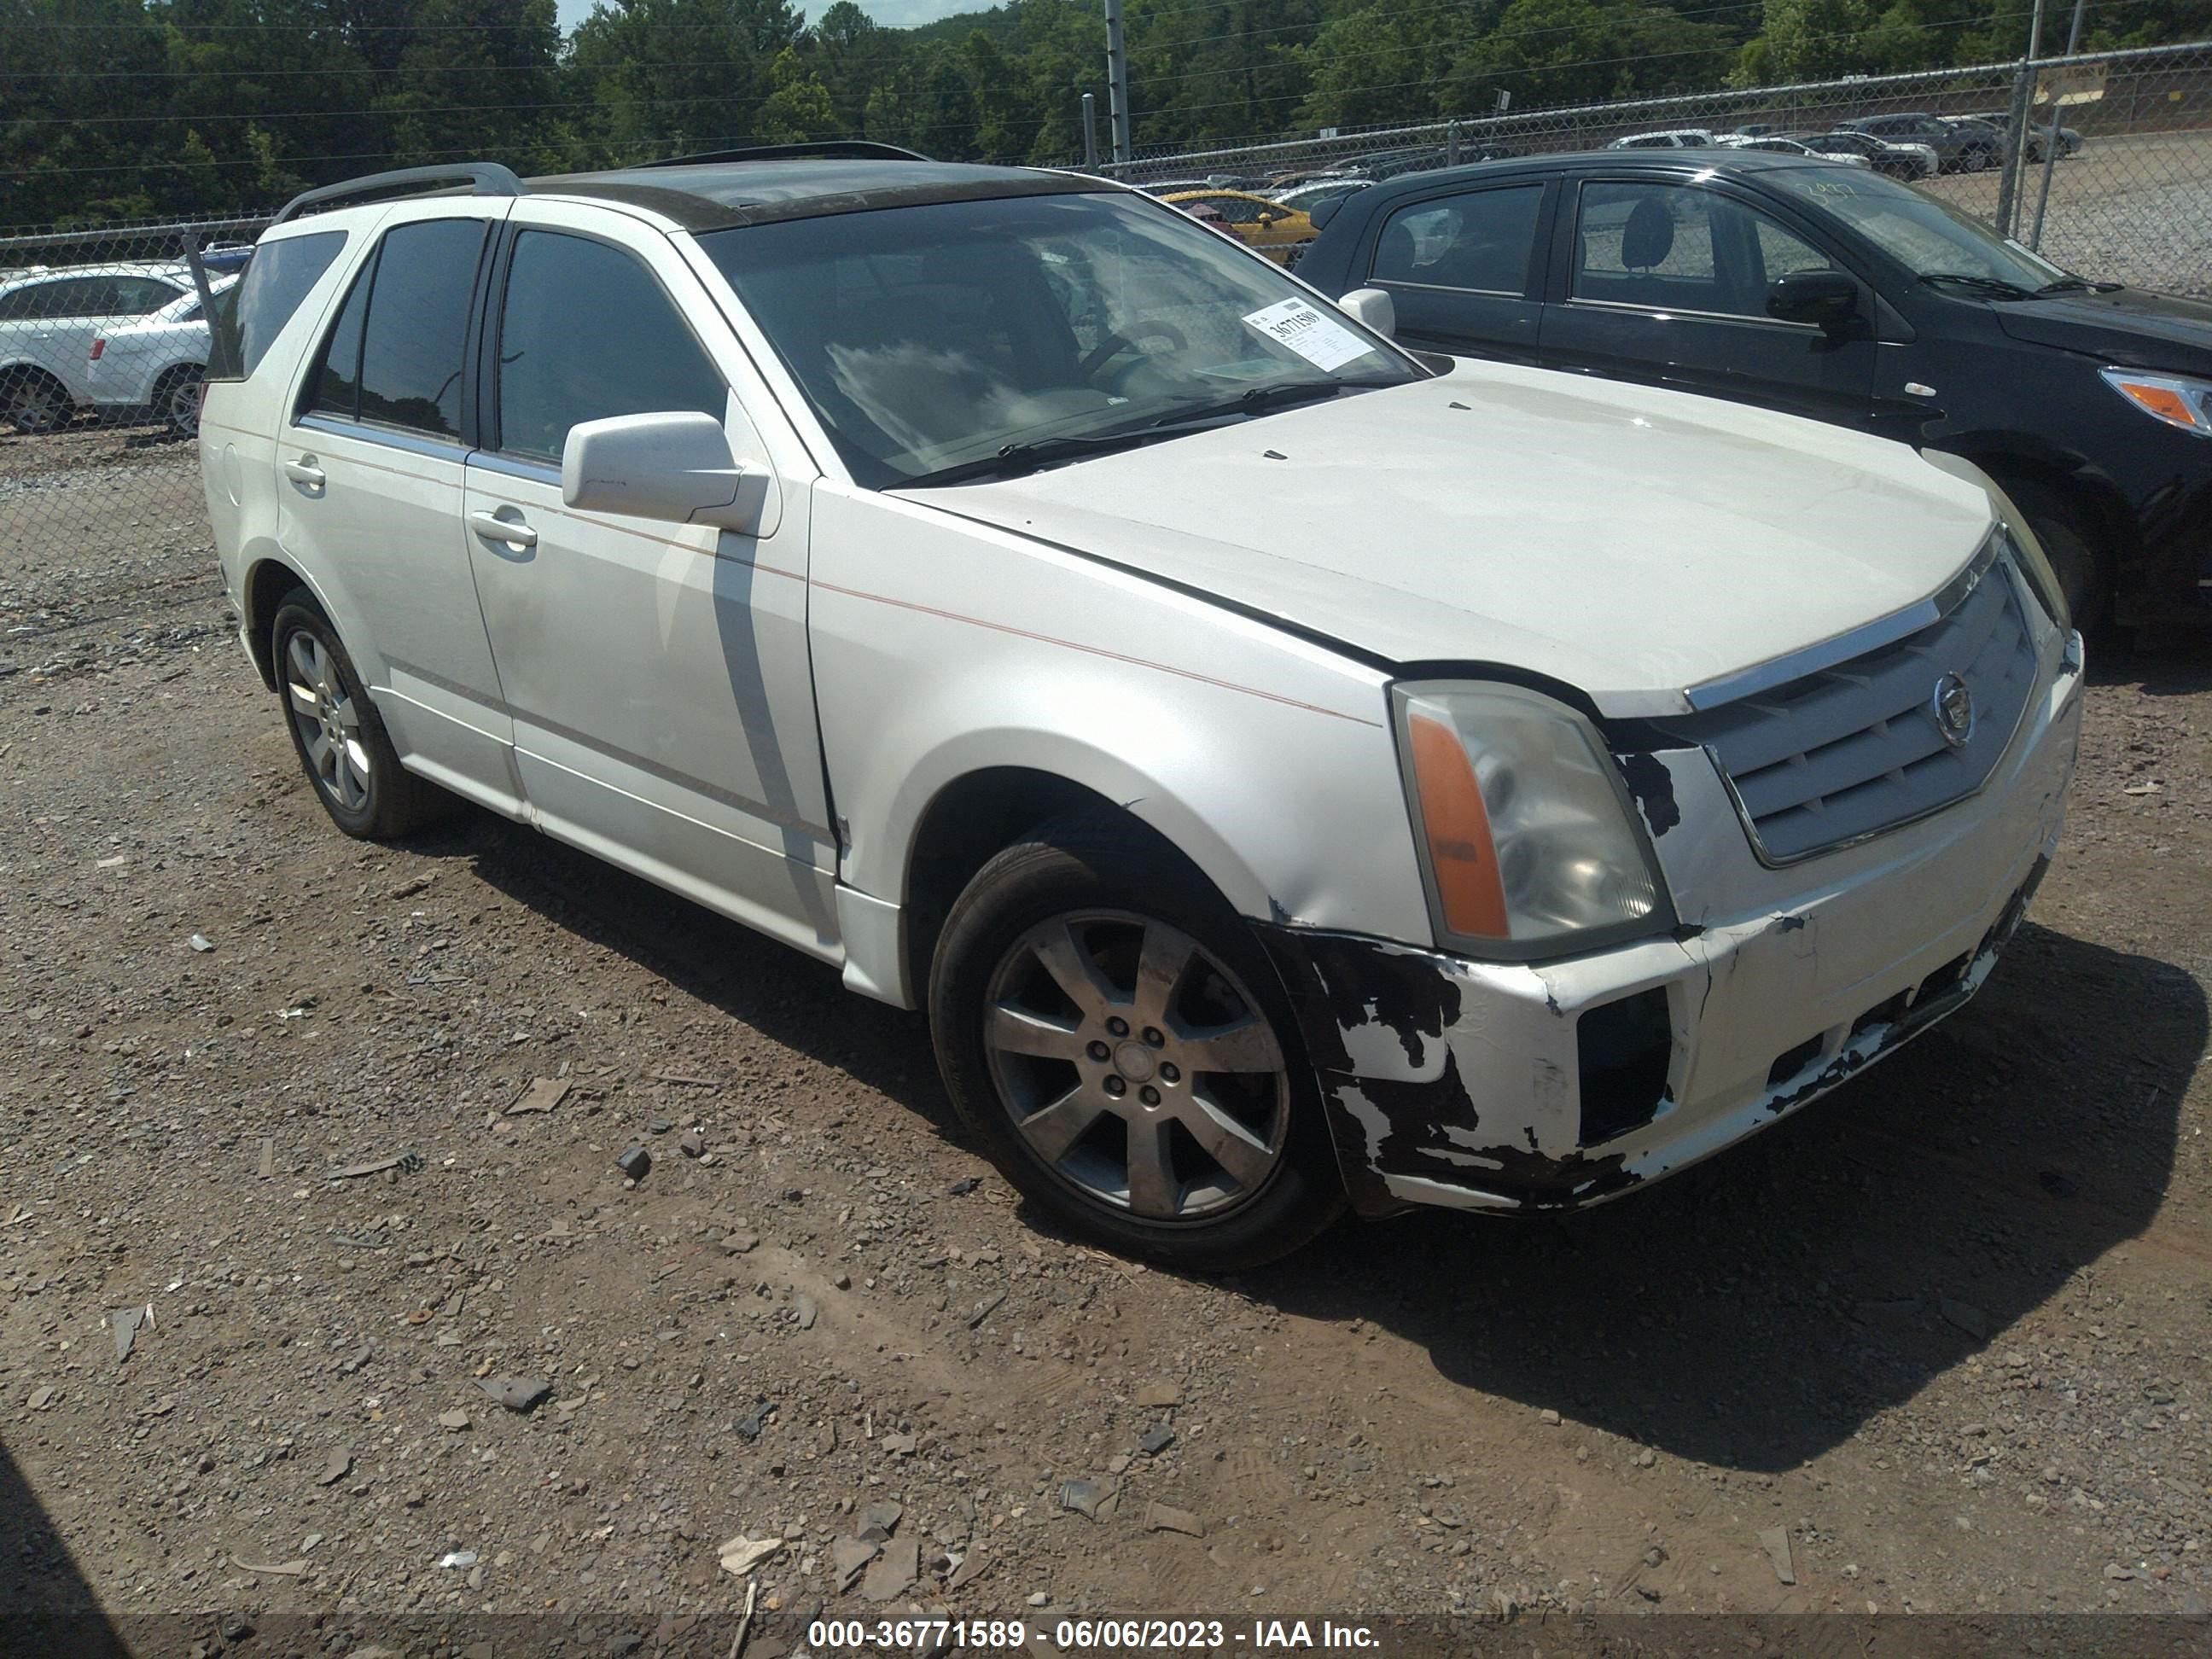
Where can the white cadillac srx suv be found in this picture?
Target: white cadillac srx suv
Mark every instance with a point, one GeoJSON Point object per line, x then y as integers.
{"type": "Point", "coordinates": [1288, 775]}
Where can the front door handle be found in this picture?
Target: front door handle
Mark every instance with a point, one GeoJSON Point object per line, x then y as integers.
{"type": "Point", "coordinates": [514, 531]}
{"type": "Point", "coordinates": [305, 471]}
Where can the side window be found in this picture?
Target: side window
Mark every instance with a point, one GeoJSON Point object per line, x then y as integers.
{"type": "Point", "coordinates": [636, 356]}
{"type": "Point", "coordinates": [82, 296]}
{"type": "Point", "coordinates": [1782, 252]}
{"type": "Point", "coordinates": [29, 302]}
{"type": "Point", "coordinates": [417, 324]}
{"type": "Point", "coordinates": [1648, 244]}
{"type": "Point", "coordinates": [251, 313]}
{"type": "Point", "coordinates": [1684, 247]}
{"type": "Point", "coordinates": [1235, 208]}
{"type": "Point", "coordinates": [335, 387]}
{"type": "Point", "coordinates": [135, 296]}
{"type": "Point", "coordinates": [1481, 241]}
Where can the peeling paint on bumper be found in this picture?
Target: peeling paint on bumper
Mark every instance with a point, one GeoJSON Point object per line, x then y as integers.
{"type": "Point", "coordinates": [1455, 1082]}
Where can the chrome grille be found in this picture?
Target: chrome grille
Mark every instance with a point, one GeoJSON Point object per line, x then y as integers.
{"type": "Point", "coordinates": [1861, 747]}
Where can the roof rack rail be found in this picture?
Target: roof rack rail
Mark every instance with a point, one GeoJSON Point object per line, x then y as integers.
{"type": "Point", "coordinates": [849, 149]}
{"type": "Point", "coordinates": [489, 177]}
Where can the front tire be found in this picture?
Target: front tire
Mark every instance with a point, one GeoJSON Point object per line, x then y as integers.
{"type": "Point", "coordinates": [2072, 546]}
{"type": "Point", "coordinates": [1114, 1034]}
{"type": "Point", "coordinates": [337, 732]}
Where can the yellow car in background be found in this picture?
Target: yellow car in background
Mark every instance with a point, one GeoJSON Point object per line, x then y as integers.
{"type": "Point", "coordinates": [1277, 231]}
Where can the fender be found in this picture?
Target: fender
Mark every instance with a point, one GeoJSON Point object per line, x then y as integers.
{"type": "Point", "coordinates": [942, 647]}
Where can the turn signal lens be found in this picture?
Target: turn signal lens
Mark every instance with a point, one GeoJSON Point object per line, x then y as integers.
{"type": "Point", "coordinates": [1527, 844]}
{"type": "Point", "coordinates": [2177, 401]}
{"type": "Point", "coordinates": [99, 346]}
{"type": "Point", "coordinates": [1461, 854]}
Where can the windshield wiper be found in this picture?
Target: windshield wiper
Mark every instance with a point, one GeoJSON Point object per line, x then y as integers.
{"type": "Point", "coordinates": [1995, 288]}
{"type": "Point", "coordinates": [1012, 460]}
{"type": "Point", "coordinates": [2078, 285]}
{"type": "Point", "coordinates": [1259, 400]}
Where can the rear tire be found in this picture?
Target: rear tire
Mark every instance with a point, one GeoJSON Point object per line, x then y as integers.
{"type": "Point", "coordinates": [32, 401]}
{"type": "Point", "coordinates": [177, 399]}
{"type": "Point", "coordinates": [1167, 1111]}
{"type": "Point", "coordinates": [337, 732]}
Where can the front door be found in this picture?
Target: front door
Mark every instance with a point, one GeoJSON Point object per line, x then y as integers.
{"type": "Point", "coordinates": [1665, 281]}
{"type": "Point", "coordinates": [656, 673]}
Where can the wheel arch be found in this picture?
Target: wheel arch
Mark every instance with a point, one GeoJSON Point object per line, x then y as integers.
{"type": "Point", "coordinates": [266, 584]}
{"type": "Point", "coordinates": [2010, 457]}
{"type": "Point", "coordinates": [975, 816]}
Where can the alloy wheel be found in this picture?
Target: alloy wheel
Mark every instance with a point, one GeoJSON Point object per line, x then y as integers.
{"type": "Point", "coordinates": [328, 723]}
{"type": "Point", "coordinates": [1137, 1067]}
{"type": "Point", "coordinates": [180, 404]}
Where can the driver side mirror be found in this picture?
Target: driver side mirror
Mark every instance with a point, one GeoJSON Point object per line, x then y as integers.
{"type": "Point", "coordinates": [674, 466]}
{"type": "Point", "coordinates": [1267, 216]}
{"type": "Point", "coordinates": [1373, 307]}
{"type": "Point", "coordinates": [1827, 299]}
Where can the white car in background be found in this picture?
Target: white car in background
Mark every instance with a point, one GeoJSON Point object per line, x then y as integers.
{"type": "Point", "coordinates": [49, 319]}
{"type": "Point", "coordinates": [155, 363]}
{"type": "Point", "coordinates": [1792, 146]}
{"type": "Point", "coordinates": [1674, 138]}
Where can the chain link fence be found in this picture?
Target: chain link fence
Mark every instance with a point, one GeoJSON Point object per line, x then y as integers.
{"type": "Point", "coordinates": [2122, 193]}
{"type": "Point", "coordinates": [102, 349]}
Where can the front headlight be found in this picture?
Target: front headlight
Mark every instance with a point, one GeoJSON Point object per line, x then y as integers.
{"type": "Point", "coordinates": [1527, 844]}
{"type": "Point", "coordinates": [2174, 398]}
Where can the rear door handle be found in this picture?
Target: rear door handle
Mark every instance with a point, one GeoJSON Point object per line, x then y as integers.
{"type": "Point", "coordinates": [493, 528]}
{"type": "Point", "coordinates": [305, 471]}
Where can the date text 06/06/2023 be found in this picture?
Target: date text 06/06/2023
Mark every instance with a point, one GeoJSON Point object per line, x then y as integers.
{"type": "Point", "coordinates": [1088, 1635]}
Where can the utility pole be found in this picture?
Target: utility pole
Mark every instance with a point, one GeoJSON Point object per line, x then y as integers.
{"type": "Point", "coordinates": [1117, 80]}
{"type": "Point", "coordinates": [1090, 129]}
{"type": "Point", "coordinates": [2050, 138]}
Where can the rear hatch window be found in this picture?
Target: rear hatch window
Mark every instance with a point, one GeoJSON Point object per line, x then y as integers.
{"type": "Point", "coordinates": [247, 317]}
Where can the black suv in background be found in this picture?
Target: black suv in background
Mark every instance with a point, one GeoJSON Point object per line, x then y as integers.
{"type": "Point", "coordinates": [1835, 293]}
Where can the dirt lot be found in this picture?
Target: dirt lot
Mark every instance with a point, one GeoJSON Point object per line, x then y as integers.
{"type": "Point", "coordinates": [1947, 1332]}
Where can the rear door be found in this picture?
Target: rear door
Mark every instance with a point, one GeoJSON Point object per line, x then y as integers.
{"type": "Point", "coordinates": [657, 673]}
{"type": "Point", "coordinates": [1665, 280]}
{"type": "Point", "coordinates": [370, 466]}
{"type": "Point", "coordinates": [1462, 270]}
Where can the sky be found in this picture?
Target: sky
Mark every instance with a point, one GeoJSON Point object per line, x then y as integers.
{"type": "Point", "coordinates": [892, 14]}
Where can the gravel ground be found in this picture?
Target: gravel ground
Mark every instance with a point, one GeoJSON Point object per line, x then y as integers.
{"type": "Point", "coordinates": [2135, 210]}
{"type": "Point", "coordinates": [1939, 1345]}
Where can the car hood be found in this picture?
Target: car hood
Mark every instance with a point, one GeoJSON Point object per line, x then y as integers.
{"type": "Point", "coordinates": [1631, 542]}
{"type": "Point", "coordinates": [2129, 326]}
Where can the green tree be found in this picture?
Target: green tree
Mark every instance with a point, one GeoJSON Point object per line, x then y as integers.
{"type": "Point", "coordinates": [798, 109]}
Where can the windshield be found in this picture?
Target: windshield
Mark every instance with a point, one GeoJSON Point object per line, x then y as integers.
{"type": "Point", "coordinates": [925, 337]}
{"type": "Point", "coordinates": [1929, 237]}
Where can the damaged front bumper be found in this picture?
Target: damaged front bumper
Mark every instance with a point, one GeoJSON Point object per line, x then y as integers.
{"type": "Point", "coordinates": [1556, 1085]}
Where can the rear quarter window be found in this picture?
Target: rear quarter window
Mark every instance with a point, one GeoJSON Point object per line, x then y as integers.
{"type": "Point", "coordinates": [250, 315]}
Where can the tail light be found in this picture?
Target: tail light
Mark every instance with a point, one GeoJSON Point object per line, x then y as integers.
{"type": "Point", "coordinates": [99, 345]}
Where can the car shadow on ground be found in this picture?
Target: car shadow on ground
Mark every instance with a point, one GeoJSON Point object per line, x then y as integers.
{"type": "Point", "coordinates": [46, 1606]}
{"type": "Point", "coordinates": [1756, 1311]}
{"type": "Point", "coordinates": [1753, 1312]}
{"type": "Point", "coordinates": [2176, 667]}
{"type": "Point", "coordinates": [784, 996]}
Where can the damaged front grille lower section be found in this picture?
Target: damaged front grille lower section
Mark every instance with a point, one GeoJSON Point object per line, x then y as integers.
{"type": "Point", "coordinates": [1881, 739]}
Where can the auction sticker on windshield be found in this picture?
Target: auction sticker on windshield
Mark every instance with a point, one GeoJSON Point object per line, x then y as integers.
{"type": "Point", "coordinates": [1309, 331]}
